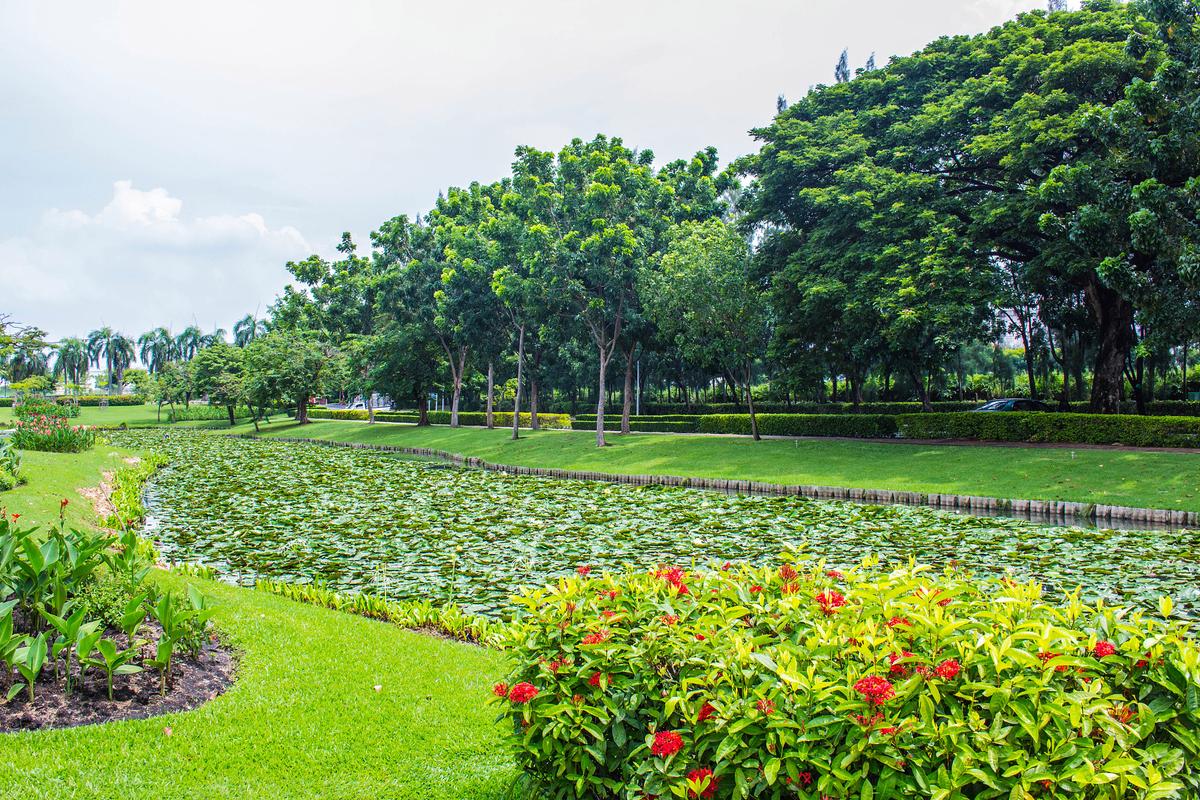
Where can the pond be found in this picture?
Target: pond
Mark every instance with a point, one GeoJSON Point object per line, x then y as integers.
{"type": "Point", "coordinates": [369, 520]}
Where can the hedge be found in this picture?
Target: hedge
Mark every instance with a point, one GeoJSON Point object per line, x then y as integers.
{"type": "Point", "coordinates": [473, 419]}
{"type": "Point", "coordinates": [1056, 428]}
{"type": "Point", "coordinates": [96, 399]}
{"type": "Point", "coordinates": [872, 426]}
{"type": "Point", "coordinates": [804, 682]}
{"type": "Point", "coordinates": [640, 425]}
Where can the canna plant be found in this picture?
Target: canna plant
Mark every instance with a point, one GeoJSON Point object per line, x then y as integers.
{"type": "Point", "coordinates": [112, 660]}
{"type": "Point", "coordinates": [71, 631]}
{"type": "Point", "coordinates": [29, 660]}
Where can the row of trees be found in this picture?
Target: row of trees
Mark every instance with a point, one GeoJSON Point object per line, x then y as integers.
{"type": "Point", "coordinates": [1031, 189]}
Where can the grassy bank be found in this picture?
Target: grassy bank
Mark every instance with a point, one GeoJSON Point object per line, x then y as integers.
{"type": "Point", "coordinates": [1132, 478]}
{"type": "Point", "coordinates": [303, 720]}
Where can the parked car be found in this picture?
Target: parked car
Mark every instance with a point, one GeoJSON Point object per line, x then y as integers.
{"type": "Point", "coordinates": [1014, 404]}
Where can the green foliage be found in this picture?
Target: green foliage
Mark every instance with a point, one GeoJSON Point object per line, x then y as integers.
{"type": "Point", "coordinates": [861, 425]}
{"type": "Point", "coordinates": [501, 419]}
{"type": "Point", "coordinates": [128, 484]}
{"type": "Point", "coordinates": [93, 400]}
{"type": "Point", "coordinates": [804, 682]}
{"type": "Point", "coordinates": [33, 407]}
{"type": "Point", "coordinates": [10, 464]}
{"type": "Point", "coordinates": [1061, 428]}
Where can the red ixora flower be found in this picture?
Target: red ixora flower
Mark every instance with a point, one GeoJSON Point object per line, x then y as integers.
{"type": "Point", "coordinates": [1045, 657]}
{"type": "Point", "coordinates": [898, 669]}
{"type": "Point", "coordinates": [875, 690]}
{"type": "Point", "coordinates": [948, 669]}
{"type": "Point", "coordinates": [833, 573]}
{"type": "Point", "coordinates": [755, 589]}
{"type": "Point", "coordinates": [706, 712]}
{"type": "Point", "coordinates": [666, 743]}
{"type": "Point", "coordinates": [583, 570]}
{"type": "Point", "coordinates": [595, 679]}
{"type": "Point", "coordinates": [598, 637]}
{"type": "Point", "coordinates": [1103, 649]}
{"type": "Point", "coordinates": [16, 517]}
{"type": "Point", "coordinates": [699, 776]}
{"type": "Point", "coordinates": [523, 692]}
{"type": "Point", "coordinates": [896, 622]}
{"type": "Point", "coordinates": [787, 573]}
{"type": "Point", "coordinates": [766, 706]}
{"type": "Point", "coordinates": [500, 689]}
{"type": "Point", "coordinates": [890, 730]}
{"type": "Point", "coordinates": [830, 601]}
{"type": "Point", "coordinates": [669, 619]}
{"type": "Point", "coordinates": [805, 778]}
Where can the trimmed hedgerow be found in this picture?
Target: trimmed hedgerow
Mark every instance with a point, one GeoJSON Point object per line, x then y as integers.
{"type": "Point", "coordinates": [855, 425]}
{"type": "Point", "coordinates": [474, 419]}
{"type": "Point", "coordinates": [97, 399]}
{"type": "Point", "coordinates": [645, 424]}
{"type": "Point", "coordinates": [1060, 428]}
{"type": "Point", "coordinates": [804, 682]}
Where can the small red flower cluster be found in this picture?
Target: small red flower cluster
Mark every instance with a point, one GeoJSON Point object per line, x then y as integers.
{"type": "Point", "coordinates": [896, 622]}
{"type": "Point", "coordinates": [669, 619]}
{"type": "Point", "coordinates": [673, 576]}
{"type": "Point", "coordinates": [1104, 649]}
{"type": "Point", "coordinates": [1045, 657]}
{"type": "Point", "coordinates": [699, 776]}
{"type": "Point", "coordinates": [500, 689]}
{"type": "Point", "coordinates": [523, 692]}
{"type": "Point", "coordinates": [583, 570]}
{"type": "Point", "coordinates": [755, 589]}
{"type": "Point", "coordinates": [898, 669]}
{"type": "Point", "coordinates": [830, 601]}
{"type": "Point", "coordinates": [948, 669]}
{"type": "Point", "coordinates": [611, 594]}
{"type": "Point", "coordinates": [595, 679]}
{"type": "Point", "coordinates": [607, 614]}
{"type": "Point", "coordinates": [875, 690]}
{"type": "Point", "coordinates": [833, 573]}
{"type": "Point", "coordinates": [865, 721]}
{"type": "Point", "coordinates": [1122, 714]}
{"type": "Point", "coordinates": [766, 706]}
{"type": "Point", "coordinates": [788, 573]}
{"type": "Point", "coordinates": [706, 712]}
{"type": "Point", "coordinates": [597, 637]}
{"type": "Point", "coordinates": [557, 664]}
{"type": "Point", "coordinates": [666, 743]}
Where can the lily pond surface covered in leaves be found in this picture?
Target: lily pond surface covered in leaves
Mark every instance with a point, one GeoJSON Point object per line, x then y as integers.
{"type": "Point", "coordinates": [372, 521]}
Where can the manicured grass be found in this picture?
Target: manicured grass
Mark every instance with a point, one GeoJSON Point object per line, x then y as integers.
{"type": "Point", "coordinates": [1132, 478]}
{"type": "Point", "coordinates": [115, 415]}
{"type": "Point", "coordinates": [303, 719]}
{"type": "Point", "coordinates": [52, 477]}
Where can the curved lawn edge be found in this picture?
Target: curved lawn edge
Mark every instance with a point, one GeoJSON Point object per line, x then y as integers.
{"type": "Point", "coordinates": [326, 704]}
{"type": "Point", "coordinates": [1066, 512]}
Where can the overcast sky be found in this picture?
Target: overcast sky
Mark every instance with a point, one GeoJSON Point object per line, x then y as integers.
{"type": "Point", "coordinates": [162, 161]}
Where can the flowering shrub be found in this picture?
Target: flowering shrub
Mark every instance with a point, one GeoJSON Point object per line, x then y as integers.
{"type": "Point", "coordinates": [803, 682]}
{"type": "Point", "coordinates": [53, 434]}
{"type": "Point", "coordinates": [34, 407]}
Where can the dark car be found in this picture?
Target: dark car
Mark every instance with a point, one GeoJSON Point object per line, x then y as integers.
{"type": "Point", "coordinates": [1014, 404]}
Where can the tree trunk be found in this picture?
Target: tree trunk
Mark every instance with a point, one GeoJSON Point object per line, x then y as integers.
{"type": "Point", "coordinates": [516, 420]}
{"type": "Point", "coordinates": [302, 410]}
{"type": "Point", "coordinates": [1029, 365]}
{"type": "Point", "coordinates": [1185, 360]}
{"type": "Point", "coordinates": [750, 405]}
{"type": "Point", "coordinates": [534, 425]}
{"type": "Point", "coordinates": [370, 406]}
{"type": "Point", "coordinates": [232, 421]}
{"type": "Point", "coordinates": [1114, 317]}
{"type": "Point", "coordinates": [627, 396]}
{"type": "Point", "coordinates": [491, 393]}
{"type": "Point", "coordinates": [600, 396]}
{"type": "Point", "coordinates": [423, 409]}
{"type": "Point", "coordinates": [457, 377]}
{"type": "Point", "coordinates": [922, 389]}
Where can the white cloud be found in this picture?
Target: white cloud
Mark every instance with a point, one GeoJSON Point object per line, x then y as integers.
{"type": "Point", "coordinates": [139, 262]}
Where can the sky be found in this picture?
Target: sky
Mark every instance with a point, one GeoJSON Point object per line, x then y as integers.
{"type": "Point", "coordinates": [162, 162]}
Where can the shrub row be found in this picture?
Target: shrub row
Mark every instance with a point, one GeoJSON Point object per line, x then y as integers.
{"type": "Point", "coordinates": [1176, 408]}
{"type": "Point", "coordinates": [474, 419]}
{"type": "Point", "coordinates": [855, 425]}
{"type": "Point", "coordinates": [640, 425]}
{"type": "Point", "coordinates": [803, 682]}
{"type": "Point", "coordinates": [87, 400]}
{"type": "Point", "coordinates": [1057, 428]}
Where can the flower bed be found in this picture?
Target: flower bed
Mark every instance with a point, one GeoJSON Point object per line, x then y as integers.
{"type": "Point", "coordinates": [52, 434]}
{"type": "Point", "coordinates": [804, 682]}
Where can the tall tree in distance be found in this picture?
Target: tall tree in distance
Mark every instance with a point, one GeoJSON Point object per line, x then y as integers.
{"type": "Point", "coordinates": [247, 329]}
{"type": "Point", "coordinates": [841, 70]}
{"type": "Point", "coordinates": [100, 348]}
{"type": "Point", "coordinates": [156, 349]}
{"type": "Point", "coordinates": [71, 361]}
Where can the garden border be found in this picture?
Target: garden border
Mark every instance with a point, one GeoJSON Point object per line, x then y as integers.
{"type": "Point", "coordinates": [1056, 510]}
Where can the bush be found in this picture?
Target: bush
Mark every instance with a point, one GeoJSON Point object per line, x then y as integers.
{"type": "Point", "coordinates": [10, 465]}
{"type": "Point", "coordinates": [802, 682]}
{"type": "Point", "coordinates": [94, 400]}
{"type": "Point", "coordinates": [52, 434]}
{"type": "Point", "coordinates": [1061, 428]}
{"type": "Point", "coordinates": [40, 407]}
{"type": "Point", "coordinates": [856, 425]}
{"type": "Point", "coordinates": [646, 424]}
{"type": "Point", "coordinates": [474, 419]}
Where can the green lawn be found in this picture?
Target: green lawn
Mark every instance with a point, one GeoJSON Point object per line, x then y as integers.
{"type": "Point", "coordinates": [129, 415]}
{"type": "Point", "coordinates": [303, 719]}
{"type": "Point", "coordinates": [1147, 479]}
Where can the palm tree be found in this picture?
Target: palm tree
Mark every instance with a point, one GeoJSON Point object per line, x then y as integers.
{"type": "Point", "coordinates": [122, 352]}
{"type": "Point", "coordinates": [99, 345]}
{"type": "Point", "coordinates": [247, 329]}
{"type": "Point", "coordinates": [188, 343]}
{"type": "Point", "coordinates": [72, 360]}
{"type": "Point", "coordinates": [218, 336]}
{"type": "Point", "coordinates": [156, 349]}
